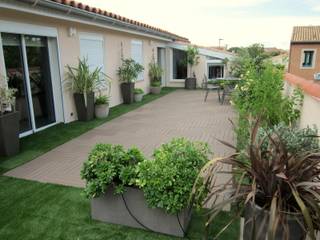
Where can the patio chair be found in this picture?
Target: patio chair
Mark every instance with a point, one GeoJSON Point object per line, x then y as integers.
{"type": "Point", "coordinates": [212, 86]}
{"type": "Point", "coordinates": [226, 93]}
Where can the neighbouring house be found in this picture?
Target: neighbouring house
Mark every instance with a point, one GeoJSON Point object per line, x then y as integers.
{"type": "Point", "coordinates": [40, 37]}
{"type": "Point", "coordinates": [305, 51]}
{"type": "Point", "coordinates": [304, 64]}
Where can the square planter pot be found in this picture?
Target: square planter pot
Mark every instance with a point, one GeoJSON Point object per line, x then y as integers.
{"type": "Point", "coordinates": [84, 112]}
{"type": "Point", "coordinates": [127, 90]}
{"type": "Point", "coordinates": [138, 97]}
{"type": "Point", "coordinates": [190, 83]}
{"type": "Point", "coordinates": [132, 210]}
{"type": "Point", "coordinates": [155, 90]}
{"type": "Point", "coordinates": [9, 134]}
{"type": "Point", "coordinates": [261, 224]}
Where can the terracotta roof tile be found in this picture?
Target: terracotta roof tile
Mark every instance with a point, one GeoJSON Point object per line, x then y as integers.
{"type": "Point", "coordinates": [306, 34]}
{"type": "Point", "coordinates": [94, 10]}
{"type": "Point", "coordinates": [308, 86]}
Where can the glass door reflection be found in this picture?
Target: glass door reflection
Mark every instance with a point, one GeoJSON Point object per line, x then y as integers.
{"type": "Point", "coordinates": [40, 80]}
{"type": "Point", "coordinates": [12, 51]}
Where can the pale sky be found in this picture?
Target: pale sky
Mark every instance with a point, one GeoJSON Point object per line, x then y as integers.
{"type": "Point", "coordinates": [238, 22]}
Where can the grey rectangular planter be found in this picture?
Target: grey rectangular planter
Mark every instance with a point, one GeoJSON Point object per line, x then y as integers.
{"type": "Point", "coordinates": [85, 112]}
{"type": "Point", "coordinates": [9, 134]}
{"type": "Point", "coordinates": [132, 210]}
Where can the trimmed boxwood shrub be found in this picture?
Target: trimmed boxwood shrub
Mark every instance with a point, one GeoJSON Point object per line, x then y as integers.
{"type": "Point", "coordinates": [110, 164]}
{"type": "Point", "coordinates": [167, 181]}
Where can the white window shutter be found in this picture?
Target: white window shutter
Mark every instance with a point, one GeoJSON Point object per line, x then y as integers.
{"type": "Point", "coordinates": [137, 54]}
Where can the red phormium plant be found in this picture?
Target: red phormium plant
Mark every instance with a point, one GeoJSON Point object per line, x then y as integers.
{"type": "Point", "coordinates": [277, 181]}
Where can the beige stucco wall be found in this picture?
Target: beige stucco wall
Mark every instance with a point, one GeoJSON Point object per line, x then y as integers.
{"type": "Point", "coordinates": [69, 48]}
{"type": "Point", "coordinates": [310, 110]}
{"type": "Point", "coordinates": [295, 60]}
{"type": "Point", "coordinates": [199, 70]}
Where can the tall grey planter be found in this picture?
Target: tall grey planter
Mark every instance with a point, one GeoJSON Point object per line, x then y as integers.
{"type": "Point", "coordinates": [261, 225]}
{"type": "Point", "coordinates": [131, 210]}
{"type": "Point", "coordinates": [190, 83]}
{"type": "Point", "coordinates": [85, 111]}
{"type": "Point", "coordinates": [9, 134]}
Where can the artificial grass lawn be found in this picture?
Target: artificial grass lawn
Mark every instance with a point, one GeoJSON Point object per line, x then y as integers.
{"type": "Point", "coordinates": [32, 210]}
{"type": "Point", "coordinates": [37, 144]}
{"type": "Point", "coordinates": [38, 211]}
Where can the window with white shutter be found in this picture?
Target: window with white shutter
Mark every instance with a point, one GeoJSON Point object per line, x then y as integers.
{"type": "Point", "coordinates": [137, 55]}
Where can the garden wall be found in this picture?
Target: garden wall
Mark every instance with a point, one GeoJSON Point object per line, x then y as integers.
{"type": "Point", "coordinates": [310, 110]}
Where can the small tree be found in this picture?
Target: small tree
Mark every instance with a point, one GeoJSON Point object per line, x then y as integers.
{"type": "Point", "coordinates": [251, 57]}
{"type": "Point", "coordinates": [192, 58]}
{"type": "Point", "coordinates": [129, 70]}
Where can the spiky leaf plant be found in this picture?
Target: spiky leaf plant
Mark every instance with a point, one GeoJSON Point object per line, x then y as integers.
{"type": "Point", "coordinates": [279, 182]}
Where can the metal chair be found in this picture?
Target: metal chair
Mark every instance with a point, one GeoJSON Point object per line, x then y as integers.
{"type": "Point", "coordinates": [227, 91]}
{"type": "Point", "coordinates": [209, 87]}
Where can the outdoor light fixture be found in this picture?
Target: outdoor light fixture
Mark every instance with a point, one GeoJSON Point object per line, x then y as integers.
{"type": "Point", "coordinates": [72, 31]}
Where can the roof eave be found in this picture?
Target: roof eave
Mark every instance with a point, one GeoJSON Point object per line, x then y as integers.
{"type": "Point", "coordinates": [93, 17]}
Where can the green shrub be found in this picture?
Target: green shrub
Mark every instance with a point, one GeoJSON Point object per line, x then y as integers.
{"type": "Point", "coordinates": [138, 91]}
{"type": "Point", "coordinates": [110, 164]}
{"type": "Point", "coordinates": [296, 140]}
{"type": "Point", "coordinates": [129, 70]}
{"type": "Point", "coordinates": [102, 100]}
{"type": "Point", "coordinates": [259, 95]}
{"type": "Point", "coordinates": [156, 84]}
{"type": "Point", "coordinates": [167, 181]}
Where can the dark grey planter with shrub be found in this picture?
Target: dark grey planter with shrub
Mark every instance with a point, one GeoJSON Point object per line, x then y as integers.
{"type": "Point", "coordinates": [261, 217]}
{"type": "Point", "coordinates": [127, 90]}
{"type": "Point", "coordinates": [190, 83]}
{"type": "Point", "coordinates": [127, 188]}
{"type": "Point", "coordinates": [131, 209]}
{"type": "Point", "coordinates": [9, 134]}
{"type": "Point", "coordinates": [85, 111]}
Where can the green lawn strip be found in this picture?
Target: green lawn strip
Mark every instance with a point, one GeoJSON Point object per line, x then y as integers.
{"type": "Point", "coordinates": [37, 144]}
{"type": "Point", "coordinates": [37, 211]}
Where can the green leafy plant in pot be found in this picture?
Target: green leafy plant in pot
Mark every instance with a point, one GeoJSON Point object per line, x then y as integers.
{"type": "Point", "coordinates": [277, 190]}
{"type": "Point", "coordinates": [83, 83]}
{"type": "Point", "coordinates": [155, 74]}
{"type": "Point", "coordinates": [9, 121]}
{"type": "Point", "coordinates": [128, 73]}
{"type": "Point", "coordinates": [101, 107]}
{"type": "Point", "coordinates": [138, 94]}
{"type": "Point", "coordinates": [192, 59]}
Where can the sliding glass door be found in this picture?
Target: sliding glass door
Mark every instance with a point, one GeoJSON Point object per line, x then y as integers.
{"type": "Point", "coordinates": [27, 65]}
{"type": "Point", "coordinates": [40, 80]}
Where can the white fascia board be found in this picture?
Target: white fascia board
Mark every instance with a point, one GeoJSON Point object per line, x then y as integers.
{"type": "Point", "coordinates": [67, 16]}
{"type": "Point", "coordinates": [202, 51]}
{"type": "Point", "coordinates": [25, 28]}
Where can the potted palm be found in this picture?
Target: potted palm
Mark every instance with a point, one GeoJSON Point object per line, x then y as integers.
{"type": "Point", "coordinates": [128, 73]}
{"type": "Point", "coordinates": [83, 83]}
{"type": "Point", "coordinates": [138, 94]}
{"type": "Point", "coordinates": [9, 122]}
{"type": "Point", "coordinates": [155, 73]}
{"type": "Point", "coordinates": [191, 60]}
{"type": "Point", "coordinates": [277, 188]}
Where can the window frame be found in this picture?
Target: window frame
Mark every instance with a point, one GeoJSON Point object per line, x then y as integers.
{"type": "Point", "coordinates": [172, 67]}
{"type": "Point", "coordinates": [303, 57]}
{"type": "Point", "coordinates": [221, 65]}
{"type": "Point", "coordinates": [140, 77]}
